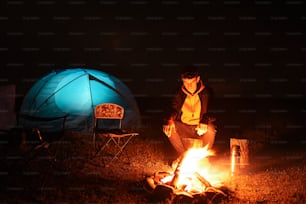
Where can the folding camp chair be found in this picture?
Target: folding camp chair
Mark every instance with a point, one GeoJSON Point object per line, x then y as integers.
{"type": "Point", "coordinates": [110, 115]}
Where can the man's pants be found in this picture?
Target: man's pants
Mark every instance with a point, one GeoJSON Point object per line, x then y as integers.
{"type": "Point", "coordinates": [183, 134]}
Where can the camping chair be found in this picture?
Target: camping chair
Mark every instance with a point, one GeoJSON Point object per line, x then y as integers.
{"type": "Point", "coordinates": [111, 133]}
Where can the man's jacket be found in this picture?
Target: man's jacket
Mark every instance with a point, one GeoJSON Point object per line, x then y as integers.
{"type": "Point", "coordinates": [178, 101]}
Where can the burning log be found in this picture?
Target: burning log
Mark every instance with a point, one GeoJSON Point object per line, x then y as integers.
{"type": "Point", "coordinates": [155, 180]}
{"type": "Point", "coordinates": [167, 192]}
{"type": "Point", "coordinates": [202, 179]}
{"type": "Point", "coordinates": [214, 189]}
{"type": "Point", "coordinates": [177, 170]}
{"type": "Point", "coordinates": [187, 181]}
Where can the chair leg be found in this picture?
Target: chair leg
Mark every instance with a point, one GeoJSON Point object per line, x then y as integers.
{"type": "Point", "coordinates": [119, 142]}
{"type": "Point", "coordinates": [94, 143]}
{"type": "Point", "coordinates": [103, 146]}
{"type": "Point", "coordinates": [121, 147]}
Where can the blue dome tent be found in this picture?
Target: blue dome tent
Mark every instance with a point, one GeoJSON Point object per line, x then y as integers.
{"type": "Point", "coordinates": [64, 100]}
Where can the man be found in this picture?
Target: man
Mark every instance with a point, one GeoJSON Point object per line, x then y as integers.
{"type": "Point", "coordinates": [188, 121]}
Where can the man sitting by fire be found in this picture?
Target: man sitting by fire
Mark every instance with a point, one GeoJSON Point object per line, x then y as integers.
{"type": "Point", "coordinates": [188, 121]}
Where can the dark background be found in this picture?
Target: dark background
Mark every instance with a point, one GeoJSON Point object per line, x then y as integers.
{"type": "Point", "coordinates": [251, 53]}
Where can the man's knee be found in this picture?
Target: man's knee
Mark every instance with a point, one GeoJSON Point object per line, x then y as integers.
{"type": "Point", "coordinates": [209, 137]}
{"type": "Point", "coordinates": [211, 129]}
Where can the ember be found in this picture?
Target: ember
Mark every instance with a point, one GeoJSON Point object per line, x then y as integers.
{"type": "Point", "coordinates": [192, 177]}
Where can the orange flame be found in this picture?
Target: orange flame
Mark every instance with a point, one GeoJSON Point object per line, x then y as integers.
{"type": "Point", "coordinates": [194, 163]}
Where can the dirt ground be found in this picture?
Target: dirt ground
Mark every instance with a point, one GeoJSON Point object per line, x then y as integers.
{"type": "Point", "coordinates": [68, 171]}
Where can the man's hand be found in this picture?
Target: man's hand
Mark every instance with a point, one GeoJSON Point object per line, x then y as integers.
{"type": "Point", "coordinates": [201, 129]}
{"type": "Point", "coordinates": [167, 129]}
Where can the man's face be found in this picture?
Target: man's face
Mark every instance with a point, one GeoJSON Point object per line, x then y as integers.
{"type": "Point", "coordinates": [191, 84]}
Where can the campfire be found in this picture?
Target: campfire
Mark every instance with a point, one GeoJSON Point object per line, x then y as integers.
{"type": "Point", "coordinates": [192, 178]}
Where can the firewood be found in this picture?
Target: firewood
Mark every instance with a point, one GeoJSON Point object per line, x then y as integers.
{"type": "Point", "coordinates": [177, 171]}
{"type": "Point", "coordinates": [203, 180]}
{"type": "Point", "coordinates": [214, 189]}
{"type": "Point", "coordinates": [150, 182]}
{"type": "Point", "coordinates": [158, 176]}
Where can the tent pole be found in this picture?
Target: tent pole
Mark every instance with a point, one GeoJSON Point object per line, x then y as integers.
{"type": "Point", "coordinates": [92, 108]}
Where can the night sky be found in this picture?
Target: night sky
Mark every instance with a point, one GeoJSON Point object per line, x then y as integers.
{"type": "Point", "coordinates": [251, 53]}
